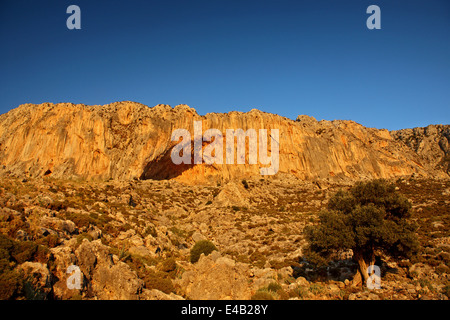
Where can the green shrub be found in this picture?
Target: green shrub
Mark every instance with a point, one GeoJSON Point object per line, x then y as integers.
{"type": "Point", "coordinates": [83, 236]}
{"type": "Point", "coordinates": [14, 225]}
{"type": "Point", "coordinates": [10, 283]}
{"type": "Point", "coordinates": [282, 295]}
{"type": "Point", "coordinates": [10, 280]}
{"type": "Point", "coordinates": [110, 229]}
{"type": "Point", "coordinates": [258, 259]}
{"type": "Point", "coordinates": [6, 246]}
{"type": "Point", "coordinates": [51, 241]}
{"type": "Point", "coordinates": [446, 290]}
{"type": "Point", "coordinates": [299, 292]}
{"type": "Point", "coordinates": [124, 227]}
{"type": "Point", "coordinates": [24, 251]}
{"type": "Point", "coordinates": [150, 230]}
{"type": "Point", "coordinates": [202, 246]}
{"type": "Point", "coordinates": [316, 288]}
{"type": "Point", "coordinates": [262, 295]}
{"type": "Point", "coordinates": [12, 251]}
{"type": "Point", "coordinates": [58, 205]}
{"type": "Point", "coordinates": [169, 265]}
{"type": "Point", "coordinates": [42, 255]}
{"type": "Point", "coordinates": [158, 281]}
{"type": "Point", "coordinates": [125, 256]}
{"type": "Point", "coordinates": [137, 261]}
{"type": "Point", "coordinates": [274, 287]}
{"type": "Point", "coordinates": [81, 220]}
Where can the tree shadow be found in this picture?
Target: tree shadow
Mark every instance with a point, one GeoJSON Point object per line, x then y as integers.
{"type": "Point", "coordinates": [338, 270]}
{"type": "Point", "coordinates": [335, 270]}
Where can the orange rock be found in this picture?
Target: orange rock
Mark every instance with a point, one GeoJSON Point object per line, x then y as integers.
{"type": "Point", "coordinates": [125, 140]}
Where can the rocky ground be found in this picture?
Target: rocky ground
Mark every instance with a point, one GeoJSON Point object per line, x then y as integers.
{"type": "Point", "coordinates": [132, 240]}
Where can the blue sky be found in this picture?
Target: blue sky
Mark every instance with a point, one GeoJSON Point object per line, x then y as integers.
{"type": "Point", "coordinates": [285, 57]}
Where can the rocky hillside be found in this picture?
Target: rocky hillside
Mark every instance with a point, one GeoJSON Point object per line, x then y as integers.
{"type": "Point", "coordinates": [127, 140]}
{"type": "Point", "coordinates": [133, 239]}
{"type": "Point", "coordinates": [431, 142]}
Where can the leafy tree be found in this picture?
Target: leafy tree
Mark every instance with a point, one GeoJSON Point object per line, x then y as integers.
{"type": "Point", "coordinates": [370, 217]}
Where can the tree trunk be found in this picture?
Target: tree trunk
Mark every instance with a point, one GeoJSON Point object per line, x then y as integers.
{"type": "Point", "coordinates": [357, 279]}
{"type": "Point", "coordinates": [364, 261]}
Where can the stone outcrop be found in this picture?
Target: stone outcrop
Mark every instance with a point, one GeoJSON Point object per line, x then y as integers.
{"type": "Point", "coordinates": [431, 142]}
{"type": "Point", "coordinates": [126, 140]}
{"type": "Point", "coordinates": [38, 280]}
{"type": "Point", "coordinates": [100, 275]}
{"type": "Point", "coordinates": [216, 278]}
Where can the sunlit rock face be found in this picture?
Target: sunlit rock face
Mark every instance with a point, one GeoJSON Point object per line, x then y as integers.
{"type": "Point", "coordinates": [126, 140]}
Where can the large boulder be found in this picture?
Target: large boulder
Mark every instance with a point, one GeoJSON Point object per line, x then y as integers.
{"type": "Point", "coordinates": [232, 194]}
{"type": "Point", "coordinates": [216, 278]}
{"type": "Point", "coordinates": [63, 258]}
{"type": "Point", "coordinates": [117, 282]}
{"type": "Point", "coordinates": [37, 285]}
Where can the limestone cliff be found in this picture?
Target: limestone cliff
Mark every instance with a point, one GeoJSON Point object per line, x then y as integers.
{"type": "Point", "coordinates": [125, 140]}
{"type": "Point", "coordinates": [431, 142]}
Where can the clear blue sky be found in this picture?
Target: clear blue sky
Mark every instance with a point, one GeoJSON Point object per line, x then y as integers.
{"type": "Point", "coordinates": [286, 57]}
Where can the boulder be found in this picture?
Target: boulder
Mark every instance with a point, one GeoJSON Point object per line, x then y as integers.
{"type": "Point", "coordinates": [223, 279]}
{"type": "Point", "coordinates": [116, 282]}
{"type": "Point", "coordinates": [155, 294]}
{"type": "Point", "coordinates": [197, 236]}
{"type": "Point", "coordinates": [37, 277]}
{"type": "Point", "coordinates": [63, 258]}
{"type": "Point", "coordinates": [232, 194]}
{"type": "Point", "coordinates": [140, 251]}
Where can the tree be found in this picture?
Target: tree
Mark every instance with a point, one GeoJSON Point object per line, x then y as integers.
{"type": "Point", "coordinates": [370, 217]}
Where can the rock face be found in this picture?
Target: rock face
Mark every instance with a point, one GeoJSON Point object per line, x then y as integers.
{"type": "Point", "coordinates": [431, 142]}
{"type": "Point", "coordinates": [38, 283]}
{"type": "Point", "coordinates": [216, 278]}
{"type": "Point", "coordinates": [104, 278]}
{"type": "Point", "coordinates": [127, 140]}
